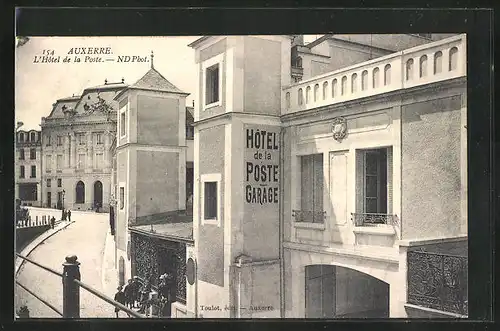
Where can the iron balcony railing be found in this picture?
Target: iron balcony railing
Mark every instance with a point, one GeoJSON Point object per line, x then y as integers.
{"type": "Point", "coordinates": [309, 216]}
{"type": "Point", "coordinates": [366, 219]}
{"type": "Point", "coordinates": [71, 290]}
{"type": "Point", "coordinates": [438, 281]}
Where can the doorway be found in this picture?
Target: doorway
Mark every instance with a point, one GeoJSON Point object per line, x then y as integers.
{"type": "Point", "coordinates": [98, 194]}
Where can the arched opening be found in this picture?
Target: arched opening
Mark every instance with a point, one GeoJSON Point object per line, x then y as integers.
{"type": "Point", "coordinates": [287, 97]}
{"type": "Point", "coordinates": [376, 73]}
{"type": "Point", "coordinates": [354, 83]}
{"type": "Point", "coordinates": [97, 194]}
{"type": "Point", "coordinates": [334, 88]}
{"type": "Point", "coordinates": [343, 87]}
{"type": "Point", "coordinates": [452, 64]}
{"type": "Point", "coordinates": [316, 92]}
{"type": "Point", "coordinates": [423, 66]}
{"type": "Point", "coordinates": [33, 136]}
{"type": "Point", "coordinates": [438, 62]}
{"type": "Point", "coordinates": [21, 137]}
{"type": "Point", "coordinates": [80, 192]}
{"type": "Point", "coordinates": [325, 89]}
{"type": "Point", "coordinates": [300, 97]}
{"type": "Point", "coordinates": [338, 292]}
{"type": "Point", "coordinates": [308, 94]}
{"type": "Point", "coordinates": [121, 271]}
{"type": "Point", "coordinates": [364, 80]}
{"type": "Point", "coordinates": [409, 69]}
{"type": "Point", "coordinates": [387, 74]}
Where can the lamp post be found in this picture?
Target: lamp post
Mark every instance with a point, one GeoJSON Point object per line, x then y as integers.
{"type": "Point", "coordinates": [63, 194]}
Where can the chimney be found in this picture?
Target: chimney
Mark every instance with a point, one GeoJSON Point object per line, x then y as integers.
{"type": "Point", "coordinates": [298, 39]}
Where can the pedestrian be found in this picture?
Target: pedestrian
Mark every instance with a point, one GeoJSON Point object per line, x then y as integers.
{"type": "Point", "coordinates": [119, 297]}
{"type": "Point", "coordinates": [145, 291]}
{"type": "Point", "coordinates": [128, 290]}
{"type": "Point", "coordinates": [69, 215]}
{"type": "Point", "coordinates": [52, 222]}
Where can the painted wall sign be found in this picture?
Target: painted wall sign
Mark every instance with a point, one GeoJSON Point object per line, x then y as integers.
{"type": "Point", "coordinates": [261, 165]}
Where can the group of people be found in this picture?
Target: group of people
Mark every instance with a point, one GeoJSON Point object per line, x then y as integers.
{"type": "Point", "coordinates": [66, 215]}
{"type": "Point", "coordinates": [137, 295]}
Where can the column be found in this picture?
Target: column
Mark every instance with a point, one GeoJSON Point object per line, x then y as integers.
{"type": "Point", "coordinates": [73, 150]}
{"type": "Point", "coordinates": [66, 151]}
{"type": "Point", "coordinates": [90, 149]}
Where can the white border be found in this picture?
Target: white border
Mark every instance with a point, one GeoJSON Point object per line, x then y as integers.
{"type": "Point", "coordinates": [210, 178]}
{"type": "Point", "coordinates": [218, 59]}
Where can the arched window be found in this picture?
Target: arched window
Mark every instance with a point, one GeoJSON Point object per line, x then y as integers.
{"type": "Point", "coordinates": [438, 62]}
{"type": "Point", "coordinates": [80, 192]}
{"type": "Point", "coordinates": [423, 66]}
{"type": "Point", "coordinates": [387, 74]}
{"type": "Point", "coordinates": [325, 89]}
{"type": "Point", "coordinates": [354, 83]}
{"type": "Point", "coordinates": [409, 69]}
{"type": "Point", "coordinates": [316, 92]}
{"type": "Point", "coordinates": [452, 64]}
{"type": "Point", "coordinates": [364, 80]}
{"type": "Point", "coordinates": [376, 78]}
{"type": "Point", "coordinates": [300, 97]}
{"type": "Point", "coordinates": [287, 97]}
{"type": "Point", "coordinates": [298, 62]}
{"type": "Point", "coordinates": [33, 136]}
{"type": "Point", "coordinates": [308, 94]}
{"type": "Point", "coordinates": [343, 87]}
{"type": "Point", "coordinates": [334, 88]}
{"type": "Point", "coordinates": [21, 137]}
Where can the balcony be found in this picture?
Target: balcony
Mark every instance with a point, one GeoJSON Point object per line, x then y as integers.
{"type": "Point", "coordinates": [438, 281]}
{"type": "Point", "coordinates": [430, 63]}
{"type": "Point", "coordinates": [367, 219]}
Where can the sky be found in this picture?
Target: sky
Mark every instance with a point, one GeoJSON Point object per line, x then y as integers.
{"type": "Point", "coordinates": [39, 85]}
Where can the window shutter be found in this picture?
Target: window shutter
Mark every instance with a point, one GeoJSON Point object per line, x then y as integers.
{"type": "Point", "coordinates": [389, 180]}
{"type": "Point", "coordinates": [360, 162]}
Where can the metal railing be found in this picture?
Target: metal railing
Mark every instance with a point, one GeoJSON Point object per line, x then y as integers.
{"type": "Point", "coordinates": [438, 281]}
{"type": "Point", "coordinates": [366, 219]}
{"type": "Point", "coordinates": [29, 222]}
{"type": "Point", "coordinates": [71, 289]}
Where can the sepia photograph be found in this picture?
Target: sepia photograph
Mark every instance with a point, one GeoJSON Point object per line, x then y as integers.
{"type": "Point", "coordinates": [241, 176]}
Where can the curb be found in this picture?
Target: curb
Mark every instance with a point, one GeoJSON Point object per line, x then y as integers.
{"type": "Point", "coordinates": [37, 242]}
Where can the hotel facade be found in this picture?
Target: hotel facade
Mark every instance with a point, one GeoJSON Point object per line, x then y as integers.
{"type": "Point", "coordinates": [330, 179]}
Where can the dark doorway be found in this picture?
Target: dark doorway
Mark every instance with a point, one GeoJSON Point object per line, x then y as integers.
{"type": "Point", "coordinates": [49, 199]}
{"type": "Point", "coordinates": [80, 192]}
{"type": "Point", "coordinates": [98, 194]}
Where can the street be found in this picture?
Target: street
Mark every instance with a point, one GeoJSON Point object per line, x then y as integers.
{"type": "Point", "coordinates": [86, 239]}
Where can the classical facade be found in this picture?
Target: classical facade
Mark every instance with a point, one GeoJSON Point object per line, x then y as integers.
{"type": "Point", "coordinates": [28, 167]}
{"type": "Point", "coordinates": [76, 141]}
{"type": "Point", "coordinates": [152, 181]}
{"type": "Point", "coordinates": [330, 178]}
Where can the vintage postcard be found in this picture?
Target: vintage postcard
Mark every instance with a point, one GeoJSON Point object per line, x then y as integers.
{"type": "Point", "coordinates": [241, 176]}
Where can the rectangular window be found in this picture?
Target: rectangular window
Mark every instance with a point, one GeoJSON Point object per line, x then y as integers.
{"type": "Point", "coordinates": [210, 200]}
{"type": "Point", "coordinates": [48, 161]}
{"type": "Point", "coordinates": [21, 154]}
{"type": "Point", "coordinates": [33, 171]}
{"type": "Point", "coordinates": [81, 139]}
{"type": "Point", "coordinates": [59, 162]}
{"type": "Point", "coordinates": [48, 142]}
{"type": "Point", "coordinates": [59, 182]}
{"type": "Point", "coordinates": [59, 140]}
{"type": "Point", "coordinates": [311, 195]}
{"type": "Point", "coordinates": [99, 138]}
{"type": "Point", "coordinates": [21, 175]}
{"type": "Point", "coordinates": [32, 154]}
{"type": "Point", "coordinates": [373, 185]}
{"type": "Point", "coordinates": [122, 197]}
{"type": "Point", "coordinates": [81, 161]}
{"type": "Point", "coordinates": [212, 84]}
{"type": "Point", "coordinates": [99, 161]}
{"type": "Point", "coordinates": [123, 123]}
{"type": "Point", "coordinates": [49, 182]}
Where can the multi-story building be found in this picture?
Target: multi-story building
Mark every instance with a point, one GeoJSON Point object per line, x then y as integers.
{"type": "Point", "coordinates": [76, 140]}
{"type": "Point", "coordinates": [152, 181]}
{"type": "Point", "coordinates": [28, 165]}
{"type": "Point", "coordinates": [334, 185]}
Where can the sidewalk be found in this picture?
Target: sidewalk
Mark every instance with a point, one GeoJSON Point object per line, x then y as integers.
{"type": "Point", "coordinates": [109, 273]}
{"type": "Point", "coordinates": [60, 225]}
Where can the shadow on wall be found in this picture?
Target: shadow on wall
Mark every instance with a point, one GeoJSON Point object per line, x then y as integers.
{"type": "Point", "coordinates": [26, 235]}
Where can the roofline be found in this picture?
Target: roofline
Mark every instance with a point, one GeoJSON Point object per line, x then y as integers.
{"type": "Point", "coordinates": [104, 87]}
{"type": "Point", "coordinates": [69, 98]}
{"type": "Point", "coordinates": [199, 40]}
{"type": "Point", "coordinates": [147, 89]}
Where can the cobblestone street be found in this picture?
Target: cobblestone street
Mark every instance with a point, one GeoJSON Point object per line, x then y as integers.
{"type": "Point", "coordinates": [86, 239]}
